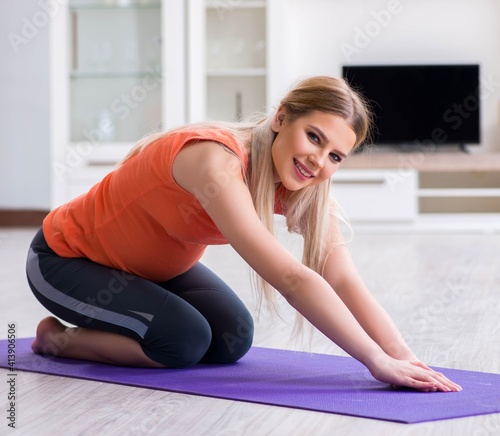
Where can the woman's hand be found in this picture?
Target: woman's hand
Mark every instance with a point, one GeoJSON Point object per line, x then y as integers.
{"type": "Point", "coordinates": [415, 375]}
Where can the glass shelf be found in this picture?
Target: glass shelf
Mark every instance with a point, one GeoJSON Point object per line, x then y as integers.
{"type": "Point", "coordinates": [115, 70]}
{"type": "Point", "coordinates": [237, 41]}
{"type": "Point", "coordinates": [113, 74]}
{"type": "Point", "coordinates": [237, 72]}
{"type": "Point", "coordinates": [236, 59]}
{"type": "Point", "coordinates": [114, 109]}
{"type": "Point", "coordinates": [240, 4]}
{"type": "Point", "coordinates": [76, 5]}
{"type": "Point", "coordinates": [235, 98]}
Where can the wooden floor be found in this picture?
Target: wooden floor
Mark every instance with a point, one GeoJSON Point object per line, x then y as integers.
{"type": "Point", "coordinates": [443, 290]}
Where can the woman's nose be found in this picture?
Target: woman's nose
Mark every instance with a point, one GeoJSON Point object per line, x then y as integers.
{"type": "Point", "coordinates": [317, 159]}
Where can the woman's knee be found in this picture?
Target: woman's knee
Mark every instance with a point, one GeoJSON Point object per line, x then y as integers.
{"type": "Point", "coordinates": [232, 343]}
{"type": "Point", "coordinates": [184, 352]}
{"type": "Point", "coordinates": [178, 337]}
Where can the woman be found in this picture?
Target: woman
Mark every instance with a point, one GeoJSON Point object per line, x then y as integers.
{"type": "Point", "coordinates": [121, 262]}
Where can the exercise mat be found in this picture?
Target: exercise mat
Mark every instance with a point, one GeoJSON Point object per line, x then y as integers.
{"type": "Point", "coordinates": [310, 381]}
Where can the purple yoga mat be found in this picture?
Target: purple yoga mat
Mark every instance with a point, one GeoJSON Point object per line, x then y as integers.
{"type": "Point", "coordinates": [294, 379]}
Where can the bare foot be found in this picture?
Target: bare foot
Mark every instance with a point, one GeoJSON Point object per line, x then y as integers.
{"type": "Point", "coordinates": [51, 337]}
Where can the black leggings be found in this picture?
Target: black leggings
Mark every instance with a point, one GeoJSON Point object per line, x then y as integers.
{"type": "Point", "coordinates": [194, 317]}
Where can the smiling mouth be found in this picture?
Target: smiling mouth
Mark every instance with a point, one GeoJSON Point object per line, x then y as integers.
{"type": "Point", "coordinates": [302, 170]}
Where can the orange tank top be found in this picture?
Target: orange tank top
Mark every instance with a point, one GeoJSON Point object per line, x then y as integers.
{"type": "Point", "coordinates": [138, 219]}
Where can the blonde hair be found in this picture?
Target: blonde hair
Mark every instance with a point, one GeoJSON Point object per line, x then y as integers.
{"type": "Point", "coordinates": [307, 211]}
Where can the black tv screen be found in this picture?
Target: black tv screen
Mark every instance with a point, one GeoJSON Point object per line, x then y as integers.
{"type": "Point", "coordinates": [421, 104]}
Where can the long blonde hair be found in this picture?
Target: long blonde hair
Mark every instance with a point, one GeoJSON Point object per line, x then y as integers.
{"type": "Point", "coordinates": [307, 211]}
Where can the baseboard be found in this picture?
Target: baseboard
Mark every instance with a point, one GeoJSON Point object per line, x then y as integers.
{"type": "Point", "coordinates": [22, 218]}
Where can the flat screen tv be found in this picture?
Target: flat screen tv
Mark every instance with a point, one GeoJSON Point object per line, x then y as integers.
{"type": "Point", "coordinates": [421, 104]}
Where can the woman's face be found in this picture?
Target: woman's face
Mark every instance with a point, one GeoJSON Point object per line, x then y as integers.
{"type": "Point", "coordinates": [308, 150]}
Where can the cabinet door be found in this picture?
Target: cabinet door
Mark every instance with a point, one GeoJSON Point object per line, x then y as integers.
{"type": "Point", "coordinates": [109, 83]}
{"type": "Point", "coordinates": [376, 195]}
{"type": "Point", "coordinates": [115, 70]}
{"type": "Point", "coordinates": [235, 60]}
{"type": "Point", "coordinates": [228, 58]}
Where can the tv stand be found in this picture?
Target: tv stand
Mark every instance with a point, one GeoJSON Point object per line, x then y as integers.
{"type": "Point", "coordinates": [438, 190]}
{"type": "Point", "coordinates": [463, 147]}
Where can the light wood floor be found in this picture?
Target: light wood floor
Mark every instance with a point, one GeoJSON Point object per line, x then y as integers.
{"type": "Point", "coordinates": [441, 289]}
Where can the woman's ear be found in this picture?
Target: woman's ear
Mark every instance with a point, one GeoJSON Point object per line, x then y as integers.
{"type": "Point", "coordinates": [278, 119]}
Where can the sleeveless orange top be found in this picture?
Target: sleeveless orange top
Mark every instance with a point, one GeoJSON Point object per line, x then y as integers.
{"type": "Point", "coordinates": [138, 219]}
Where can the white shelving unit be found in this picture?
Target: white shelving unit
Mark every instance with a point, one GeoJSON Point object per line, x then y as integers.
{"type": "Point", "coordinates": [122, 68]}
{"type": "Point", "coordinates": [376, 195]}
{"type": "Point", "coordinates": [235, 53]}
{"type": "Point", "coordinates": [464, 192]}
{"type": "Point", "coordinates": [443, 191]}
{"type": "Point", "coordinates": [234, 64]}
{"type": "Point", "coordinates": [117, 74]}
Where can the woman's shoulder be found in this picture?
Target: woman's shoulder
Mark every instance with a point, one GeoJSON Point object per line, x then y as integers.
{"type": "Point", "coordinates": [205, 134]}
{"type": "Point", "coordinates": [206, 165]}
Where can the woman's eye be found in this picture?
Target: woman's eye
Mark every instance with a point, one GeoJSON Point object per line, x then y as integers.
{"type": "Point", "coordinates": [335, 157]}
{"type": "Point", "coordinates": [313, 136]}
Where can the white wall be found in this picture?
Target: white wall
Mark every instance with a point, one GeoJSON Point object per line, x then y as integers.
{"type": "Point", "coordinates": [318, 34]}
{"type": "Point", "coordinates": [434, 31]}
{"type": "Point", "coordinates": [24, 112]}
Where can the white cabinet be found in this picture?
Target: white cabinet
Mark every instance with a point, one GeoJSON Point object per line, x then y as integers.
{"type": "Point", "coordinates": [236, 61]}
{"type": "Point", "coordinates": [123, 68]}
{"type": "Point", "coordinates": [464, 192]}
{"type": "Point", "coordinates": [117, 73]}
{"type": "Point", "coordinates": [376, 195]}
{"type": "Point", "coordinates": [444, 191]}
{"type": "Point", "coordinates": [234, 58]}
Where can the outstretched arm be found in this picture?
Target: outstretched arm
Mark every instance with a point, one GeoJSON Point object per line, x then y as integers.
{"type": "Point", "coordinates": [342, 275]}
{"type": "Point", "coordinates": [231, 208]}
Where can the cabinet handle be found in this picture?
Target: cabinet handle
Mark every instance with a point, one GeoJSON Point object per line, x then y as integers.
{"type": "Point", "coordinates": [359, 182]}
{"type": "Point", "coordinates": [101, 163]}
{"type": "Point", "coordinates": [74, 49]}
